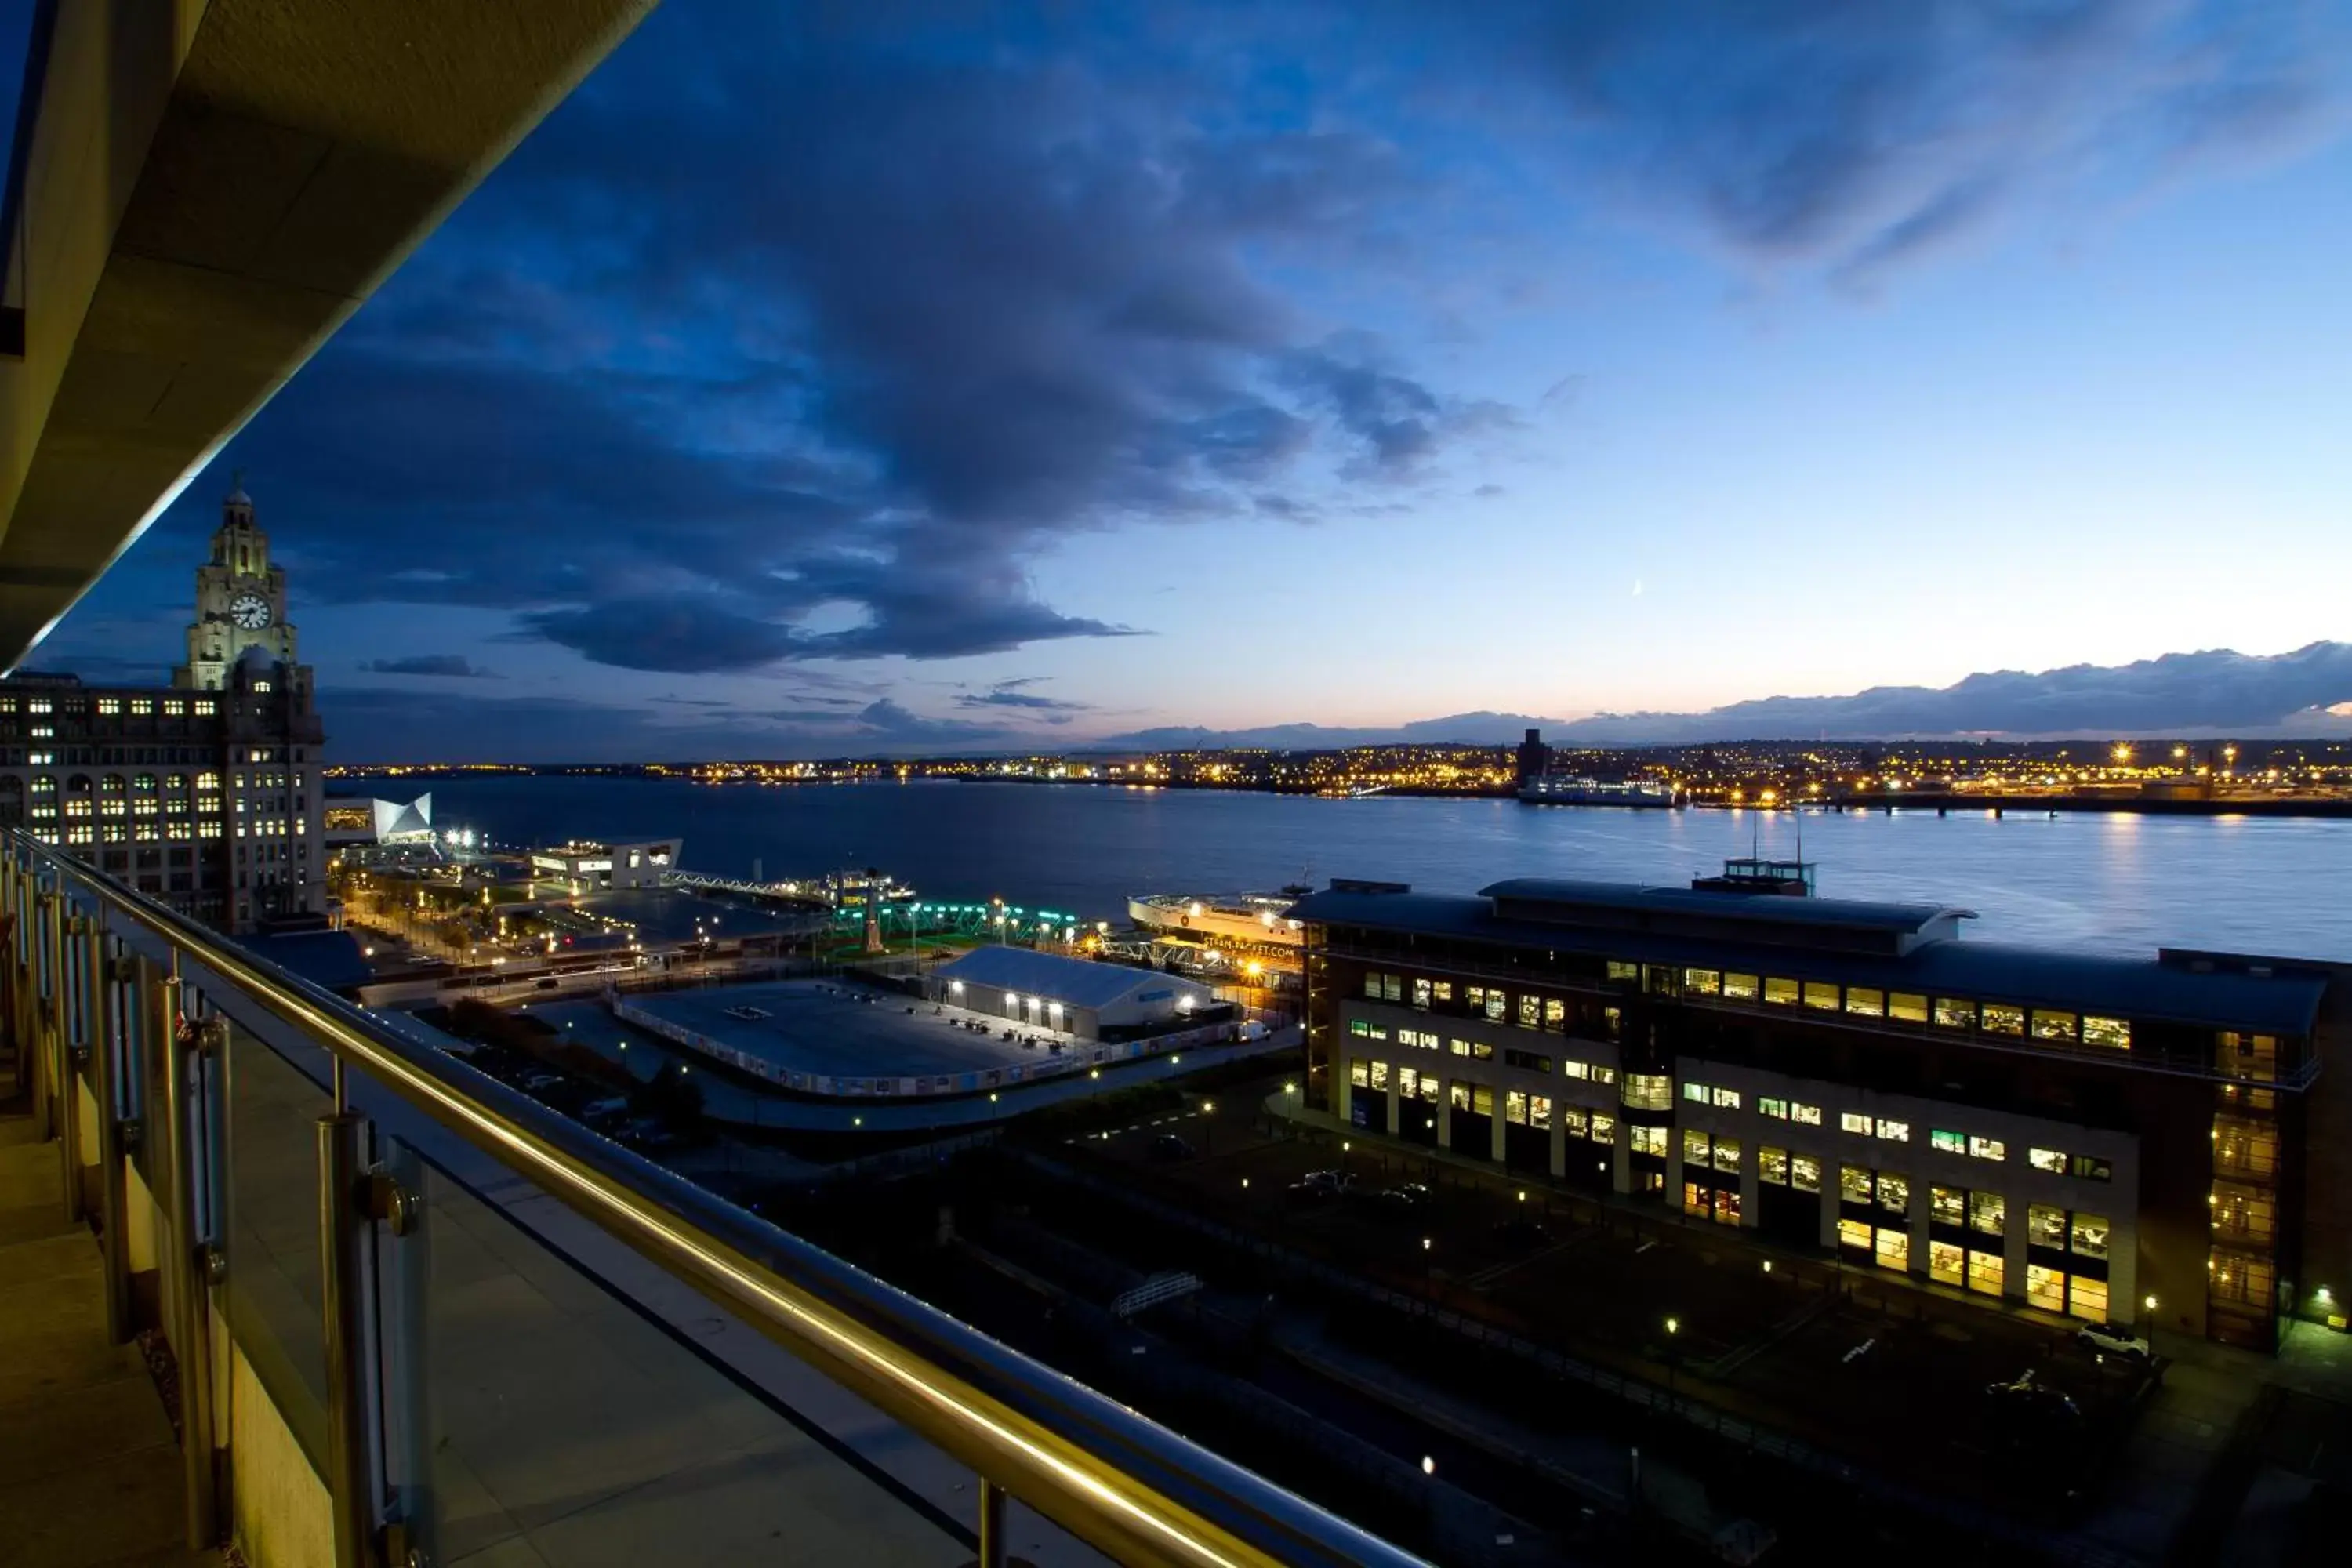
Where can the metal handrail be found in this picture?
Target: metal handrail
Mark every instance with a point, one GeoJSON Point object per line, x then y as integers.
{"type": "Point", "coordinates": [1111, 1478]}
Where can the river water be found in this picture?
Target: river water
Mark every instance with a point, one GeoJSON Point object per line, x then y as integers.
{"type": "Point", "coordinates": [2111, 881]}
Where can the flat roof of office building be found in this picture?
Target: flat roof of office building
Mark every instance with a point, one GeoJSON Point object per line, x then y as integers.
{"type": "Point", "coordinates": [1762, 909]}
{"type": "Point", "coordinates": [832, 1030]}
{"type": "Point", "coordinates": [2284, 1000]}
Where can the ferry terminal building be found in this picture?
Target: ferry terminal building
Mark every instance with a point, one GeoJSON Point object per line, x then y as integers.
{"type": "Point", "coordinates": [2145, 1141]}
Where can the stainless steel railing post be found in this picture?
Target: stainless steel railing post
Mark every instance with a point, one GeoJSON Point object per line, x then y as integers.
{"type": "Point", "coordinates": [343, 1229]}
{"type": "Point", "coordinates": [403, 1384]}
{"type": "Point", "coordinates": [34, 1046]}
{"type": "Point", "coordinates": [65, 1098]}
{"type": "Point", "coordinates": [991, 1524]}
{"type": "Point", "coordinates": [191, 1326]}
{"type": "Point", "coordinates": [12, 891]}
{"type": "Point", "coordinates": [108, 1042]}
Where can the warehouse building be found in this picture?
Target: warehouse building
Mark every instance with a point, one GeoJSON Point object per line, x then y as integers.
{"type": "Point", "coordinates": [1074, 995]}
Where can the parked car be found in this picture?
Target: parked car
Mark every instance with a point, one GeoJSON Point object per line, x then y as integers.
{"type": "Point", "coordinates": [2113, 1338]}
{"type": "Point", "coordinates": [1404, 1198]}
{"type": "Point", "coordinates": [1322, 1184]}
{"type": "Point", "coordinates": [2032, 1405]}
{"type": "Point", "coordinates": [546, 984]}
{"type": "Point", "coordinates": [1168, 1149]}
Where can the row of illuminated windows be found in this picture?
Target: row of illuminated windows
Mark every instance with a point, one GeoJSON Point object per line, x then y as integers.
{"type": "Point", "coordinates": [1479, 1050]}
{"type": "Point", "coordinates": [2076, 1295]}
{"type": "Point", "coordinates": [2246, 1097]}
{"type": "Point", "coordinates": [137, 707]}
{"type": "Point", "coordinates": [2247, 1056]}
{"type": "Point", "coordinates": [140, 833]}
{"type": "Point", "coordinates": [1519, 1108]}
{"type": "Point", "coordinates": [1702, 1094]}
{"type": "Point", "coordinates": [2051, 1289]}
{"type": "Point", "coordinates": [1720, 1205]}
{"type": "Point", "coordinates": [1647, 1091]}
{"type": "Point", "coordinates": [2244, 1146]}
{"type": "Point", "coordinates": [1594, 1126]}
{"type": "Point", "coordinates": [2244, 1214]}
{"type": "Point", "coordinates": [2087, 1167]}
{"type": "Point", "coordinates": [1493, 1002]}
{"type": "Point", "coordinates": [1705, 1149]}
{"type": "Point", "coordinates": [1945, 1140]}
{"type": "Point", "coordinates": [2046, 1224]}
{"type": "Point", "coordinates": [2239, 1276]}
{"type": "Point", "coordinates": [144, 784]}
{"type": "Point", "coordinates": [1911, 1007]}
{"type": "Point", "coordinates": [1522, 1109]}
{"type": "Point", "coordinates": [1528, 1010]}
{"type": "Point", "coordinates": [2083, 1167]}
{"type": "Point", "coordinates": [1894, 1131]}
{"type": "Point", "coordinates": [145, 805]}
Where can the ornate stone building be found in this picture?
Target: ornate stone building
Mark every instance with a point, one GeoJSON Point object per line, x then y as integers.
{"type": "Point", "coordinates": [206, 794]}
{"type": "Point", "coordinates": [240, 602]}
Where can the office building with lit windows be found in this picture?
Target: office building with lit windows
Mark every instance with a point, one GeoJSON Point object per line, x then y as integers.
{"type": "Point", "coordinates": [2140, 1140]}
{"type": "Point", "coordinates": [206, 794]}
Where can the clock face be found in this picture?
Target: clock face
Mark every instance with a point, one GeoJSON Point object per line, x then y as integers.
{"type": "Point", "coordinates": [250, 611]}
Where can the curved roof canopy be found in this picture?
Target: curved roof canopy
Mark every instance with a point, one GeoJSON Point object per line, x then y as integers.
{"type": "Point", "coordinates": [1073, 982]}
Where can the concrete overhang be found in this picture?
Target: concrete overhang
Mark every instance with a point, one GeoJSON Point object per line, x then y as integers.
{"type": "Point", "coordinates": [202, 191]}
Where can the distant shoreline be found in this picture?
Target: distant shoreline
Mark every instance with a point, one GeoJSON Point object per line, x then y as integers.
{"type": "Point", "coordinates": [1911, 802]}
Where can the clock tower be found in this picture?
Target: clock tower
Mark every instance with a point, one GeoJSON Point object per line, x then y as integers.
{"type": "Point", "coordinates": [240, 601]}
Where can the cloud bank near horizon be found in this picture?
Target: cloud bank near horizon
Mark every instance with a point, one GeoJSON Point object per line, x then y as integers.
{"type": "Point", "coordinates": [2307, 693]}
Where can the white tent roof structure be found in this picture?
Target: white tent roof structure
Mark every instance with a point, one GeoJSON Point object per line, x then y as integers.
{"type": "Point", "coordinates": [1073, 982]}
{"type": "Point", "coordinates": [393, 820]}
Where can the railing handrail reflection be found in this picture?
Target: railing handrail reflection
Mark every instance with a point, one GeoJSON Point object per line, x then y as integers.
{"type": "Point", "coordinates": [1112, 1477]}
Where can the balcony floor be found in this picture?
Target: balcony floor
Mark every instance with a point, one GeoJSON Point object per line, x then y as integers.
{"type": "Point", "coordinates": [89, 1473]}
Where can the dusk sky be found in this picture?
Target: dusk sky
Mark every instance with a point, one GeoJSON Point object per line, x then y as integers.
{"type": "Point", "coordinates": [888, 380]}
